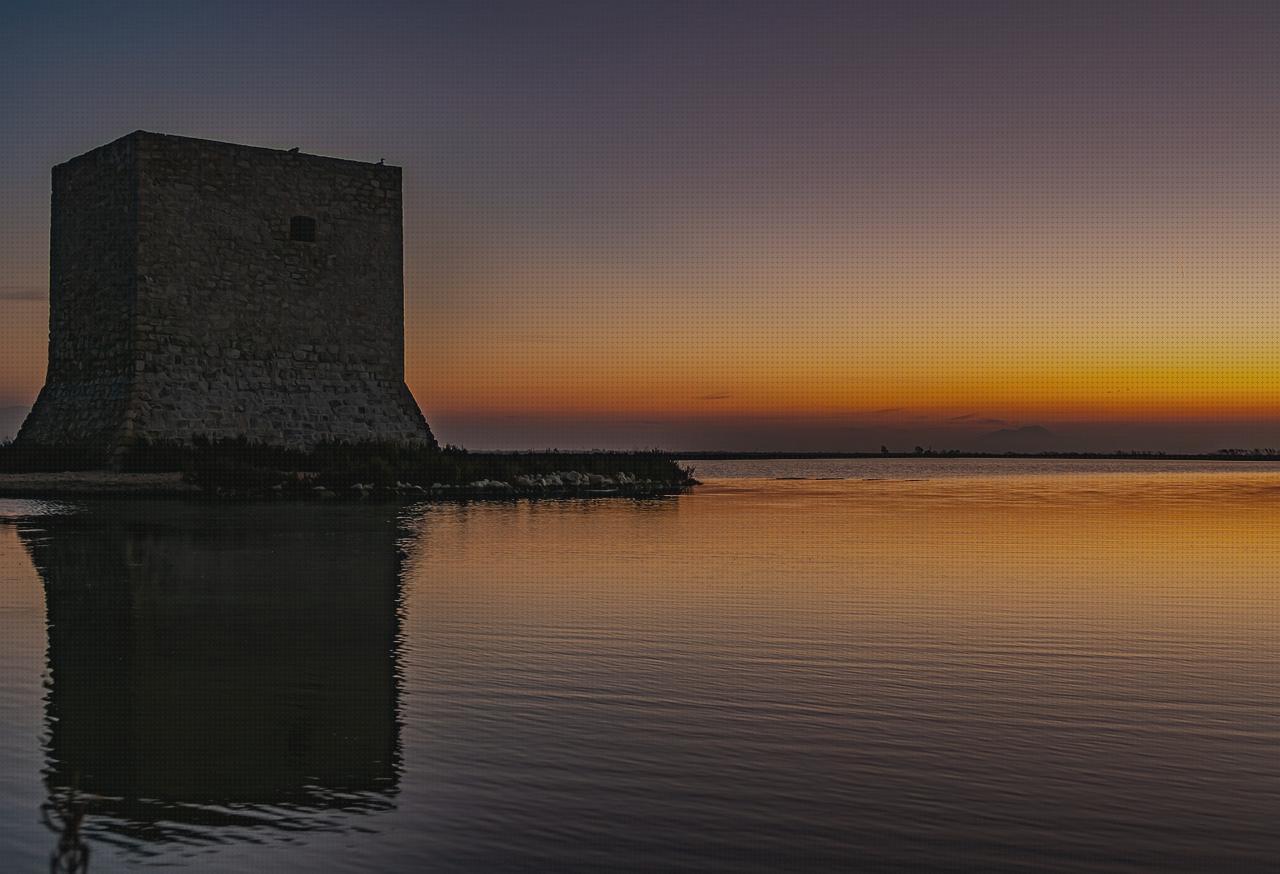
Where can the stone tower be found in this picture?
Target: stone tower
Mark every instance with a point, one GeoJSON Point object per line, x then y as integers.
{"type": "Point", "coordinates": [199, 287]}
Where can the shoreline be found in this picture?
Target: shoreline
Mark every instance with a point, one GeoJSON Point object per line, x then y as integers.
{"type": "Point", "coordinates": [563, 485]}
{"type": "Point", "coordinates": [951, 455]}
{"type": "Point", "coordinates": [111, 484]}
{"type": "Point", "coordinates": [95, 484]}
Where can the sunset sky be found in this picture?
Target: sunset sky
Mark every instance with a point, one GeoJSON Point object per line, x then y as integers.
{"type": "Point", "coordinates": [740, 225]}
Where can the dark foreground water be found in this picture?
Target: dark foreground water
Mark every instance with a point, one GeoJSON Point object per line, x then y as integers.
{"type": "Point", "coordinates": [931, 665]}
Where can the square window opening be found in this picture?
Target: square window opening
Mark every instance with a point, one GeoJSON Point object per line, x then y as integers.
{"type": "Point", "coordinates": [302, 228]}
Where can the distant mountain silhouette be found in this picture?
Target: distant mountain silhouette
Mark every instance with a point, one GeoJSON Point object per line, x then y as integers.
{"type": "Point", "coordinates": [11, 420]}
{"type": "Point", "coordinates": [1029, 438]}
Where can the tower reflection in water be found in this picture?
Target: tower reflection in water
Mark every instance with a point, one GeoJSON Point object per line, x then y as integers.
{"type": "Point", "coordinates": [215, 668]}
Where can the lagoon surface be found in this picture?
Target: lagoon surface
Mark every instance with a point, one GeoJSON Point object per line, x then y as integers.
{"type": "Point", "coordinates": [865, 665]}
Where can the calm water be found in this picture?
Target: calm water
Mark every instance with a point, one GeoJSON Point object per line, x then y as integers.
{"type": "Point", "coordinates": [939, 665]}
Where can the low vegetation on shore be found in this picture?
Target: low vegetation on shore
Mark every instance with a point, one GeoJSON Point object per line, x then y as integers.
{"type": "Point", "coordinates": [242, 468]}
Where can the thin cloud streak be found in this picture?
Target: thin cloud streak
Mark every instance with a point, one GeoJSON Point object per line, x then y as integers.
{"type": "Point", "coordinates": [23, 294]}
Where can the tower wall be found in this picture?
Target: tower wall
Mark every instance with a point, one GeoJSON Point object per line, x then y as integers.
{"type": "Point", "coordinates": [208, 313]}
{"type": "Point", "coordinates": [92, 286]}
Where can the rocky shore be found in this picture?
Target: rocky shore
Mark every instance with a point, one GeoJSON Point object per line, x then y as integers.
{"type": "Point", "coordinates": [304, 486]}
{"type": "Point", "coordinates": [558, 484]}
{"type": "Point", "coordinates": [241, 469]}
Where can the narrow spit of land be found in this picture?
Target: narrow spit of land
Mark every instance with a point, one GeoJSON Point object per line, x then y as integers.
{"type": "Point", "coordinates": [1223, 455]}
{"type": "Point", "coordinates": [238, 469]}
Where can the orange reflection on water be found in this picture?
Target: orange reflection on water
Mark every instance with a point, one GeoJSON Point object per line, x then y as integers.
{"type": "Point", "coordinates": [1155, 548]}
